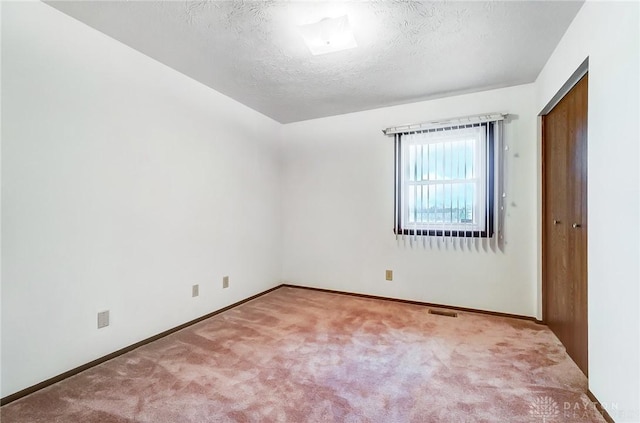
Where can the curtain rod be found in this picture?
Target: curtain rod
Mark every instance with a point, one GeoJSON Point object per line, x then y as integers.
{"type": "Point", "coordinates": [445, 123]}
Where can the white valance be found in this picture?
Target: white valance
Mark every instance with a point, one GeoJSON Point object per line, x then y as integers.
{"type": "Point", "coordinates": [461, 121]}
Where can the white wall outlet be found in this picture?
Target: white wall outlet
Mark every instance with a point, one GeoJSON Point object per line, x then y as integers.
{"type": "Point", "coordinates": [195, 290]}
{"type": "Point", "coordinates": [225, 282]}
{"type": "Point", "coordinates": [103, 319]}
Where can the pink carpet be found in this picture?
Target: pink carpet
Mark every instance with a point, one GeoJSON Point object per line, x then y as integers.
{"type": "Point", "coordinates": [296, 355]}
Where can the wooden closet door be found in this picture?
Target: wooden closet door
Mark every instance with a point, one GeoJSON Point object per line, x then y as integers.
{"type": "Point", "coordinates": [564, 234]}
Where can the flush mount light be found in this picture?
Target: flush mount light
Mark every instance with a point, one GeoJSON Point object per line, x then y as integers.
{"type": "Point", "coordinates": [328, 35]}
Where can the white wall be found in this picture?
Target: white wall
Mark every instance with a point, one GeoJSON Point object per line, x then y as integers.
{"type": "Point", "coordinates": [608, 34]}
{"type": "Point", "coordinates": [123, 183]}
{"type": "Point", "coordinates": [338, 210]}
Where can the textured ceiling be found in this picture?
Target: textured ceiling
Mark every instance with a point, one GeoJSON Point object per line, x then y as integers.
{"type": "Point", "coordinates": [252, 51]}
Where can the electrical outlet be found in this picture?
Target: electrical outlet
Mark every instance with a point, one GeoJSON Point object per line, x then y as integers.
{"type": "Point", "coordinates": [388, 275]}
{"type": "Point", "coordinates": [103, 319]}
{"type": "Point", "coordinates": [195, 290]}
{"type": "Point", "coordinates": [225, 282]}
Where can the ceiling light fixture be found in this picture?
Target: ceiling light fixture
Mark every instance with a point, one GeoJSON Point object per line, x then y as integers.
{"type": "Point", "coordinates": [328, 35]}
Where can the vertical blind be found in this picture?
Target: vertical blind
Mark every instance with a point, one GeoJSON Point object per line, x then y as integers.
{"type": "Point", "coordinates": [449, 182]}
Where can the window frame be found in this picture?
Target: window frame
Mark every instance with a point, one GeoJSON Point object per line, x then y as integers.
{"type": "Point", "coordinates": [487, 227]}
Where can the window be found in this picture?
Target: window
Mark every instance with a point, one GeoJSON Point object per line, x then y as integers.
{"type": "Point", "coordinates": [445, 181]}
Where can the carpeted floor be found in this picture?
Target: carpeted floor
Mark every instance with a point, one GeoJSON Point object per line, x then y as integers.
{"type": "Point", "coordinates": [297, 355]}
